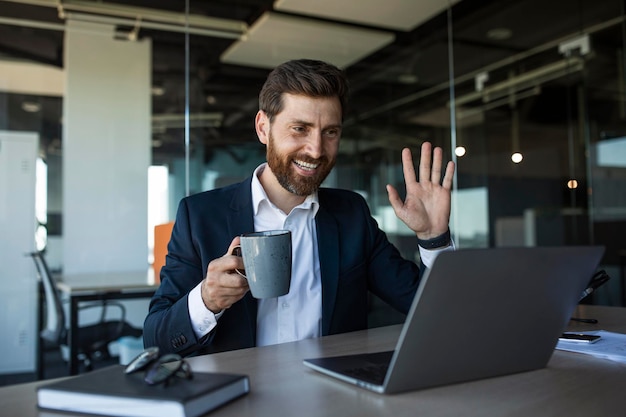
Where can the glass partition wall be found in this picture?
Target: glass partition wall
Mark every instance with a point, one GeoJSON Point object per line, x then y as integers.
{"type": "Point", "coordinates": [531, 122]}
{"type": "Point", "coordinates": [531, 109]}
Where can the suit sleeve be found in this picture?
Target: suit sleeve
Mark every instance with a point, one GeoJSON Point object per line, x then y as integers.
{"type": "Point", "coordinates": [365, 262]}
{"type": "Point", "coordinates": [167, 324]}
{"type": "Point", "coordinates": [390, 276]}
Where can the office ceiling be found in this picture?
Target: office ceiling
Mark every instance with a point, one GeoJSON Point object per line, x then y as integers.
{"type": "Point", "coordinates": [394, 51]}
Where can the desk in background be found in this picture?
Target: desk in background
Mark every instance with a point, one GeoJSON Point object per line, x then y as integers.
{"type": "Point", "coordinates": [100, 286]}
{"type": "Point", "coordinates": [572, 384]}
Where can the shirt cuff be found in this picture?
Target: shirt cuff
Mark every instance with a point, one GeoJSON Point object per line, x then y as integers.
{"type": "Point", "coordinates": [203, 320]}
{"type": "Point", "coordinates": [428, 255]}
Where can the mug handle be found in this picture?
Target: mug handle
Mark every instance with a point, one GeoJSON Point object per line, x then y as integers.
{"type": "Point", "coordinates": [237, 252]}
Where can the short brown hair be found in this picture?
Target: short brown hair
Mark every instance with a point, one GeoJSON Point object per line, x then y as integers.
{"type": "Point", "coordinates": [306, 77]}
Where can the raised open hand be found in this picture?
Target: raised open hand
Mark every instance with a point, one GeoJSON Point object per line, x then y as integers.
{"type": "Point", "coordinates": [426, 208]}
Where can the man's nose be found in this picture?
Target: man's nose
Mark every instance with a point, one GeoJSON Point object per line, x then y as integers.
{"type": "Point", "coordinates": [314, 145]}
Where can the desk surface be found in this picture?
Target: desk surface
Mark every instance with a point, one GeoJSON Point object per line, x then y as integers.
{"type": "Point", "coordinates": [107, 281]}
{"type": "Point", "coordinates": [101, 286]}
{"type": "Point", "coordinates": [572, 384]}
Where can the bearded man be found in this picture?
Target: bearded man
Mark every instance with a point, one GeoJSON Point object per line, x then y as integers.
{"type": "Point", "coordinates": [339, 254]}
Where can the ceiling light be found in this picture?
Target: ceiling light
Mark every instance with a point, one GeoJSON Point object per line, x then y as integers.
{"type": "Point", "coordinates": [151, 18]}
{"type": "Point", "coordinates": [177, 121]}
{"type": "Point", "coordinates": [524, 81]}
{"type": "Point", "coordinates": [499, 34]}
{"type": "Point", "coordinates": [516, 156]}
{"type": "Point", "coordinates": [275, 38]}
{"type": "Point", "coordinates": [157, 91]}
{"type": "Point", "coordinates": [407, 78]}
{"type": "Point", "coordinates": [400, 15]}
{"type": "Point", "coordinates": [158, 128]}
{"type": "Point", "coordinates": [31, 106]}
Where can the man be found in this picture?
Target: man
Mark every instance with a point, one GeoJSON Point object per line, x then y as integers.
{"type": "Point", "coordinates": [339, 253]}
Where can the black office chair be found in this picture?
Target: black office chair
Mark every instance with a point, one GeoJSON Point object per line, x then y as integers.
{"type": "Point", "coordinates": [93, 339]}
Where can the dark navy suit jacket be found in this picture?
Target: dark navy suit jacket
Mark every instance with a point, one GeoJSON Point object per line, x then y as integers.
{"type": "Point", "coordinates": [355, 257]}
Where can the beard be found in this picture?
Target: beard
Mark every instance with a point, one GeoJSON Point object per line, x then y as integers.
{"type": "Point", "coordinates": [284, 172]}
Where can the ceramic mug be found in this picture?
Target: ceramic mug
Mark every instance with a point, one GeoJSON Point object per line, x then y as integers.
{"type": "Point", "coordinates": [267, 262]}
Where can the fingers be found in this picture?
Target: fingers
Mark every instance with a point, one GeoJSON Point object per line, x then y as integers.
{"type": "Point", "coordinates": [426, 207]}
{"type": "Point", "coordinates": [431, 162]}
{"type": "Point", "coordinates": [408, 169]}
{"type": "Point", "coordinates": [437, 162]}
{"type": "Point", "coordinates": [425, 163]}
{"type": "Point", "coordinates": [235, 242]}
{"type": "Point", "coordinates": [222, 286]}
{"type": "Point", "coordinates": [394, 198]}
{"type": "Point", "coordinates": [449, 176]}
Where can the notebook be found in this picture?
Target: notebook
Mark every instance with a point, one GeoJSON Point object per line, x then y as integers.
{"type": "Point", "coordinates": [477, 313]}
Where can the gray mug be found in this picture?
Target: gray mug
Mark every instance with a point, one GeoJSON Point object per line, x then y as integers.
{"type": "Point", "coordinates": [267, 262]}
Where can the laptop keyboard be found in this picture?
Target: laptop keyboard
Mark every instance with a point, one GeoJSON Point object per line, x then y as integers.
{"type": "Point", "coordinates": [375, 370]}
{"type": "Point", "coordinates": [370, 373]}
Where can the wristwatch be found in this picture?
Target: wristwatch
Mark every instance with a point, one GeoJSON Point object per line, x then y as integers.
{"type": "Point", "coordinates": [436, 242]}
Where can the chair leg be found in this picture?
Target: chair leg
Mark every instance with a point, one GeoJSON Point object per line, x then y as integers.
{"type": "Point", "coordinates": [40, 363]}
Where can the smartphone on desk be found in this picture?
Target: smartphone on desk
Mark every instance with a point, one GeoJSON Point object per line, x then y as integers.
{"type": "Point", "coordinates": [579, 337]}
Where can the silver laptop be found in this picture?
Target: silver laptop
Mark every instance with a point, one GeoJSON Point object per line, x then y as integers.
{"type": "Point", "coordinates": [477, 313]}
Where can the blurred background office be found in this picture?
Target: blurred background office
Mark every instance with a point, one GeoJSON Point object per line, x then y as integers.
{"type": "Point", "coordinates": [111, 112]}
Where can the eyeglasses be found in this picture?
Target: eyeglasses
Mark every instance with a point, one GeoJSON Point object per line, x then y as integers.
{"type": "Point", "coordinates": [159, 369]}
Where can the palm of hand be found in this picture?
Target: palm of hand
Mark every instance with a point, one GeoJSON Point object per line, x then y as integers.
{"type": "Point", "coordinates": [426, 208]}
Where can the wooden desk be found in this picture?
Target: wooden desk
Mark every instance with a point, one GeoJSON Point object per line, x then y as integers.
{"type": "Point", "coordinates": [100, 286]}
{"type": "Point", "coordinates": [572, 384]}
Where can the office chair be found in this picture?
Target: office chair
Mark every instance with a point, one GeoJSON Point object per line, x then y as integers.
{"type": "Point", "coordinates": [93, 339]}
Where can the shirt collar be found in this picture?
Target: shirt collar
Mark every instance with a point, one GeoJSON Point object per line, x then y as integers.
{"type": "Point", "coordinates": [311, 202]}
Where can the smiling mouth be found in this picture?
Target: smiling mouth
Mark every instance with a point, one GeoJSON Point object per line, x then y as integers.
{"type": "Point", "coordinates": [305, 165]}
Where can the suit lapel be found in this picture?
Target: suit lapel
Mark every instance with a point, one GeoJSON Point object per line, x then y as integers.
{"type": "Point", "coordinates": [328, 246]}
{"type": "Point", "coordinates": [241, 220]}
{"type": "Point", "coordinates": [241, 215]}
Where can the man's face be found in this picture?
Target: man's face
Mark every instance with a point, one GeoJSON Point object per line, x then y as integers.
{"type": "Point", "coordinates": [303, 142]}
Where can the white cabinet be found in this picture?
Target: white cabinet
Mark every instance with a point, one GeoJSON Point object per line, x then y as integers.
{"type": "Point", "coordinates": [18, 281]}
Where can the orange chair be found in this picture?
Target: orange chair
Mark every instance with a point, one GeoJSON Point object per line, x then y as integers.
{"type": "Point", "coordinates": [162, 234]}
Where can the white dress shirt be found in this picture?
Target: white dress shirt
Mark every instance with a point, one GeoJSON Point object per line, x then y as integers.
{"type": "Point", "coordinates": [298, 314]}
